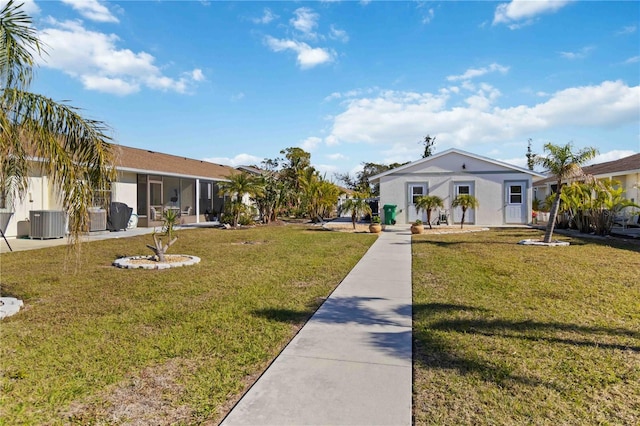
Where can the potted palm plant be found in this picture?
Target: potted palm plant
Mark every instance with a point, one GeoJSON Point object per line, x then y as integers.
{"type": "Point", "coordinates": [417, 227]}
{"type": "Point", "coordinates": [376, 226]}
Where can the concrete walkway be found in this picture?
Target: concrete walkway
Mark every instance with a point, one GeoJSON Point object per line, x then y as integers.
{"type": "Point", "coordinates": [351, 364]}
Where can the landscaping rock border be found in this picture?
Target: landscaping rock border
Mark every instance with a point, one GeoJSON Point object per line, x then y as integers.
{"type": "Point", "coordinates": [555, 243]}
{"type": "Point", "coordinates": [144, 262]}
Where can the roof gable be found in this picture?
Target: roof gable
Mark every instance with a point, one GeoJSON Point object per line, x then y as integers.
{"type": "Point", "coordinates": [458, 152]}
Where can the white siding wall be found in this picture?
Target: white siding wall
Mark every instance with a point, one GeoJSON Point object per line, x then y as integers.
{"type": "Point", "coordinates": [125, 190]}
{"type": "Point", "coordinates": [40, 196]}
{"type": "Point", "coordinates": [440, 175]}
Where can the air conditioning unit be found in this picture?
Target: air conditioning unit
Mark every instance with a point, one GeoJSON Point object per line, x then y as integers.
{"type": "Point", "coordinates": [46, 224]}
{"type": "Point", "coordinates": [97, 220]}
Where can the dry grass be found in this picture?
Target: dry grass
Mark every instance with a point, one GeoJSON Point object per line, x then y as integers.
{"type": "Point", "coordinates": [510, 335]}
{"type": "Point", "coordinates": [116, 346]}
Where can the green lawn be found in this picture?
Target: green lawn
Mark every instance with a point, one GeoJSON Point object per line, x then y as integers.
{"type": "Point", "coordinates": [511, 335]}
{"type": "Point", "coordinates": [96, 344]}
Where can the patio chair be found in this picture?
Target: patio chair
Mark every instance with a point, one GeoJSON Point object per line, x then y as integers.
{"type": "Point", "coordinates": [187, 211]}
{"type": "Point", "coordinates": [443, 217]}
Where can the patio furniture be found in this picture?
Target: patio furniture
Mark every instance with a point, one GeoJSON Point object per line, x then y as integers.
{"type": "Point", "coordinates": [187, 211]}
{"type": "Point", "coordinates": [155, 213]}
{"type": "Point", "coordinates": [443, 217]}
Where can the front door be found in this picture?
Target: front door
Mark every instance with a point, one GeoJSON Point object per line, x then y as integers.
{"type": "Point", "coordinates": [460, 188]}
{"type": "Point", "coordinates": [516, 202]}
{"type": "Point", "coordinates": [416, 190]}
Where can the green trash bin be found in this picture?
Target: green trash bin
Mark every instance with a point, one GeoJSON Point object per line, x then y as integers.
{"type": "Point", "coordinates": [389, 214]}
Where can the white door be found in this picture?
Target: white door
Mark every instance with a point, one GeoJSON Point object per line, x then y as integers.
{"type": "Point", "coordinates": [416, 190]}
{"type": "Point", "coordinates": [460, 188]}
{"type": "Point", "coordinates": [516, 203]}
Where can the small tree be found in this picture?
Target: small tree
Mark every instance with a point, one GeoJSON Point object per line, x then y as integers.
{"type": "Point", "coordinates": [564, 164]}
{"type": "Point", "coordinates": [357, 205]}
{"type": "Point", "coordinates": [170, 218]}
{"type": "Point", "coordinates": [465, 202]}
{"type": "Point", "coordinates": [237, 186]}
{"type": "Point", "coordinates": [429, 143]}
{"type": "Point", "coordinates": [428, 203]}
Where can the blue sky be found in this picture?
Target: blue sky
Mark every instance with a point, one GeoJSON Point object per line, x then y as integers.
{"type": "Point", "coordinates": [350, 82]}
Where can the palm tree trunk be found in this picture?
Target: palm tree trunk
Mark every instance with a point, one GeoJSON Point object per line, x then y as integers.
{"type": "Point", "coordinates": [429, 218]}
{"type": "Point", "coordinates": [552, 218]}
{"type": "Point", "coordinates": [464, 211]}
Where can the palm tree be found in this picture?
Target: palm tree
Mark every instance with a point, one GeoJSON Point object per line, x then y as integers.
{"type": "Point", "coordinates": [357, 205]}
{"type": "Point", "coordinates": [72, 151]}
{"type": "Point", "coordinates": [237, 186]}
{"type": "Point", "coordinates": [465, 202]}
{"type": "Point", "coordinates": [428, 203]}
{"type": "Point", "coordinates": [563, 164]}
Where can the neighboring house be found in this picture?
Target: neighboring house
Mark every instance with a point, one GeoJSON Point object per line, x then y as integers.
{"type": "Point", "coordinates": [503, 190]}
{"type": "Point", "coordinates": [624, 170]}
{"type": "Point", "coordinates": [149, 182]}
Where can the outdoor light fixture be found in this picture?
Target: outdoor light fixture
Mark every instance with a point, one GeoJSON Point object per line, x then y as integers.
{"type": "Point", "coordinates": [464, 166]}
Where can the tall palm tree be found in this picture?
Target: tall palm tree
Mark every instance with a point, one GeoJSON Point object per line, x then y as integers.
{"type": "Point", "coordinates": [564, 164]}
{"type": "Point", "coordinates": [74, 152]}
{"type": "Point", "coordinates": [237, 186]}
{"type": "Point", "coordinates": [465, 202]}
{"type": "Point", "coordinates": [357, 205]}
{"type": "Point", "coordinates": [428, 203]}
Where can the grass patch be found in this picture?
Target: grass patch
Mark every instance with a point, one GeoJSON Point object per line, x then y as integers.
{"type": "Point", "coordinates": [509, 334]}
{"type": "Point", "coordinates": [107, 345]}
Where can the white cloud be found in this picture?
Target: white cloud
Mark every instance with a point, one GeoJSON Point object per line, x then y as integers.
{"type": "Point", "coordinates": [616, 154]}
{"type": "Point", "coordinates": [398, 119]}
{"type": "Point", "coordinates": [94, 59]}
{"type": "Point", "coordinates": [237, 97]}
{"type": "Point", "coordinates": [197, 75]}
{"type": "Point", "coordinates": [336, 156]}
{"type": "Point", "coordinates": [633, 60]}
{"type": "Point", "coordinates": [305, 21]}
{"type": "Point", "coordinates": [326, 169]}
{"type": "Point", "coordinates": [307, 56]}
{"type": "Point", "coordinates": [310, 143]}
{"type": "Point", "coordinates": [631, 29]}
{"type": "Point", "coordinates": [477, 72]}
{"type": "Point", "coordinates": [114, 86]}
{"type": "Point", "coordinates": [28, 6]}
{"type": "Point", "coordinates": [523, 11]}
{"type": "Point", "coordinates": [580, 54]}
{"type": "Point", "coordinates": [267, 17]}
{"type": "Point", "coordinates": [92, 9]}
{"type": "Point", "coordinates": [428, 17]}
{"type": "Point", "coordinates": [336, 34]}
{"type": "Point", "coordinates": [238, 160]}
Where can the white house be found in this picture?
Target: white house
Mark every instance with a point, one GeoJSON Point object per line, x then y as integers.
{"type": "Point", "coordinates": [503, 190]}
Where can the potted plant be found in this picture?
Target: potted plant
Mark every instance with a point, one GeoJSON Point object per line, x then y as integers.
{"type": "Point", "coordinates": [417, 227]}
{"type": "Point", "coordinates": [376, 226]}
